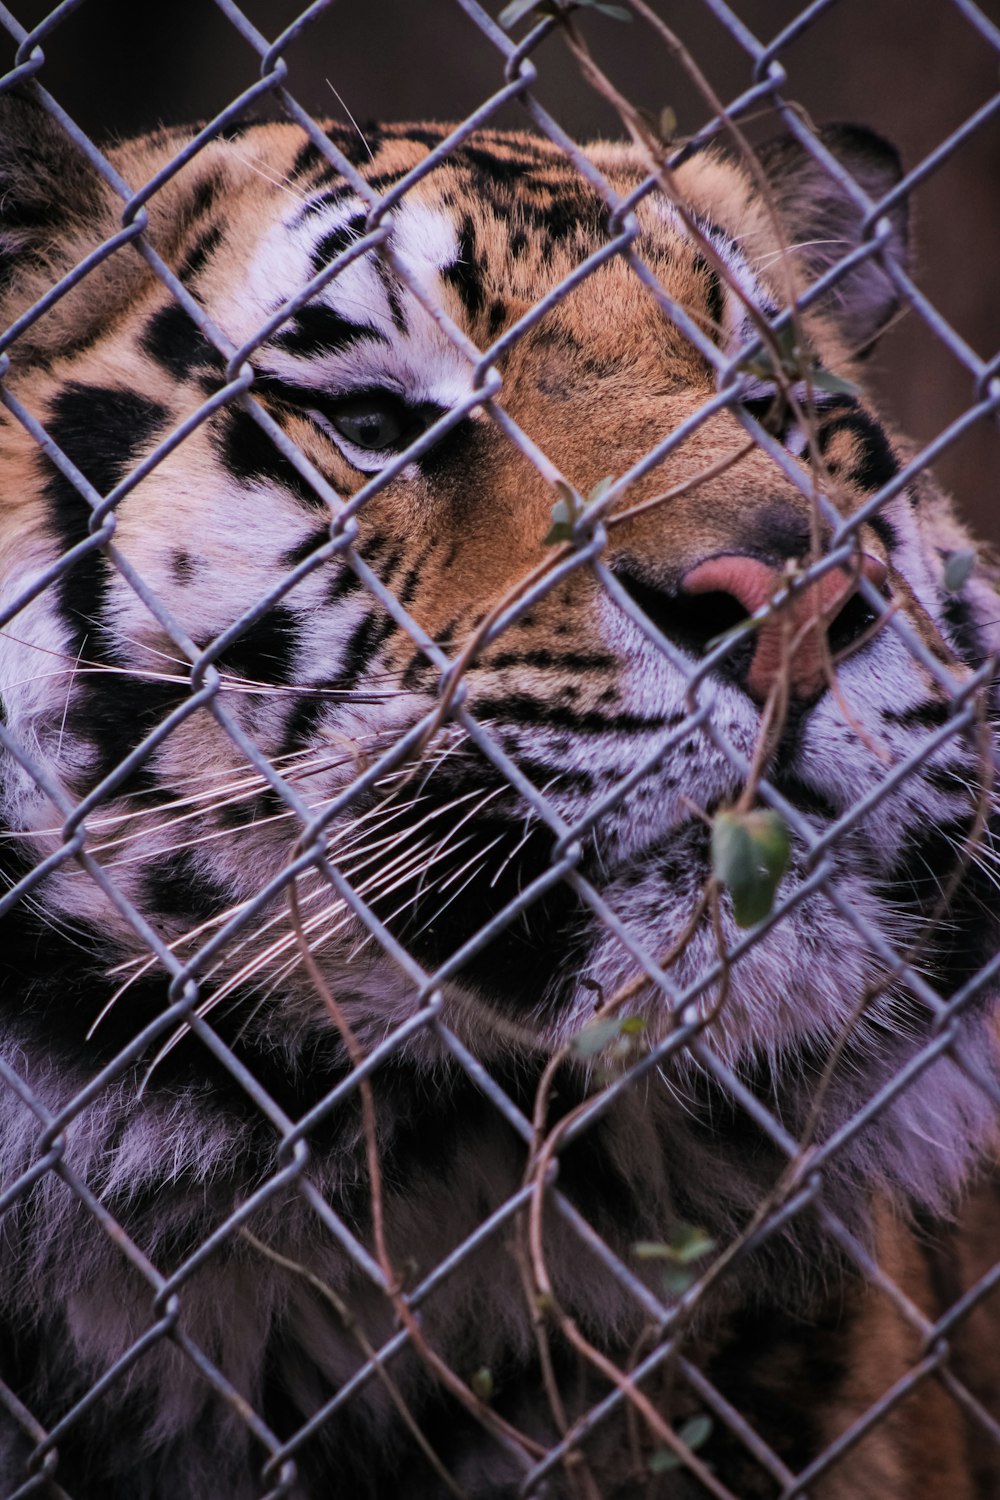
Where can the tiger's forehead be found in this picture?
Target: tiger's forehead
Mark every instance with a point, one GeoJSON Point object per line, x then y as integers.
{"type": "Point", "coordinates": [483, 237]}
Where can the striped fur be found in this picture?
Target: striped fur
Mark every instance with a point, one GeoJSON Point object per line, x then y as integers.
{"type": "Point", "coordinates": [576, 693]}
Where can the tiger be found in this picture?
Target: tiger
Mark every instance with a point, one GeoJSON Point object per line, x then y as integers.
{"type": "Point", "coordinates": [396, 602]}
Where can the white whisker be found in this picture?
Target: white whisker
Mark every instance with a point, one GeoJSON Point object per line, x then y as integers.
{"type": "Point", "coordinates": [248, 161]}
{"type": "Point", "coordinates": [353, 121]}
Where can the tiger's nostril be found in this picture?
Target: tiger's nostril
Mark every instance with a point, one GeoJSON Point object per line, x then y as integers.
{"type": "Point", "coordinates": [690, 621]}
{"type": "Point", "coordinates": [849, 624]}
{"type": "Point", "coordinates": [817, 621]}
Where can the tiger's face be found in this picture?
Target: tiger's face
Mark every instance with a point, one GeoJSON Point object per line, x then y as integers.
{"type": "Point", "coordinates": [384, 512]}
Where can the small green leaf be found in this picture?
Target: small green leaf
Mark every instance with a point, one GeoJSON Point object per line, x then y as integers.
{"type": "Point", "coordinates": [568, 509]}
{"type": "Point", "coordinates": [691, 1243]}
{"type": "Point", "coordinates": [760, 366]}
{"type": "Point", "coordinates": [677, 1279]}
{"type": "Point", "coordinates": [632, 1026]}
{"type": "Point", "coordinates": [958, 566]}
{"type": "Point", "coordinates": [796, 364]}
{"type": "Point", "coordinates": [616, 12]}
{"type": "Point", "coordinates": [482, 1383]}
{"type": "Point", "coordinates": [694, 1432]}
{"type": "Point", "coordinates": [597, 1036]}
{"type": "Point", "coordinates": [750, 853]}
{"type": "Point", "coordinates": [667, 123]}
{"type": "Point", "coordinates": [651, 1250]}
{"type": "Point", "coordinates": [826, 380]}
{"type": "Point", "coordinates": [512, 13]}
{"type": "Point", "coordinates": [561, 529]}
{"type": "Point", "coordinates": [687, 1243]}
{"type": "Point", "coordinates": [600, 489]}
{"type": "Point", "coordinates": [788, 351]}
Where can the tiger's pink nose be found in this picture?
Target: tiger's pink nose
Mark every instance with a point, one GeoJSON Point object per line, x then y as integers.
{"type": "Point", "coordinates": [798, 637]}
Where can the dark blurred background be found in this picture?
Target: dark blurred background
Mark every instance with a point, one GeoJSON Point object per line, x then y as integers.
{"type": "Point", "coordinates": [912, 69]}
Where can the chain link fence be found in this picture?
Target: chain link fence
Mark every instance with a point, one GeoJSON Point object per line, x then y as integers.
{"type": "Point", "coordinates": [689, 1417]}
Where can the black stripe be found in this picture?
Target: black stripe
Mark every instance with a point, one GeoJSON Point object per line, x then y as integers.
{"type": "Point", "coordinates": [526, 968]}
{"type": "Point", "coordinates": [198, 256]}
{"type": "Point", "coordinates": [175, 342]}
{"type": "Point", "coordinates": [962, 627]}
{"type": "Point", "coordinates": [364, 645]}
{"type": "Point", "coordinates": [318, 329]}
{"type": "Point", "coordinates": [102, 430]}
{"type": "Point", "coordinates": [247, 452]}
{"type": "Point", "coordinates": [953, 781]}
{"type": "Point", "coordinates": [966, 935]}
{"type": "Point", "coordinates": [335, 241]}
{"type": "Point", "coordinates": [507, 170]}
{"type": "Point", "coordinates": [927, 715]}
{"type": "Point", "coordinates": [344, 582]}
{"type": "Point", "coordinates": [177, 887]}
{"type": "Point", "coordinates": [563, 216]}
{"type": "Point", "coordinates": [544, 774]}
{"type": "Point", "coordinates": [465, 273]}
{"type": "Point", "coordinates": [766, 1362]}
{"type": "Point", "coordinates": [569, 661]}
{"type": "Point", "coordinates": [803, 796]}
{"type": "Point", "coordinates": [267, 650]}
{"type": "Point", "coordinates": [885, 531]}
{"type": "Point", "coordinates": [308, 545]}
{"type": "Point", "coordinates": [356, 146]}
{"type": "Point", "coordinates": [393, 291]}
{"type": "Point", "coordinates": [874, 461]}
{"type": "Point", "coordinates": [716, 300]}
{"type": "Point", "coordinates": [207, 193]}
{"type": "Point", "coordinates": [498, 318]}
{"type": "Point", "coordinates": [519, 708]}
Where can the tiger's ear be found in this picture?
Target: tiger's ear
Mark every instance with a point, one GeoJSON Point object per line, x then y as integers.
{"type": "Point", "coordinates": [49, 191]}
{"type": "Point", "coordinates": [824, 224]}
{"type": "Point", "coordinates": [55, 208]}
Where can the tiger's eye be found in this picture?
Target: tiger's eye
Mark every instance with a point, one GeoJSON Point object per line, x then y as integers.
{"type": "Point", "coordinates": [372, 422]}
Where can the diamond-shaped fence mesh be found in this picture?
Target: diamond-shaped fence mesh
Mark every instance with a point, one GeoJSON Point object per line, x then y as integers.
{"type": "Point", "coordinates": [499, 918]}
